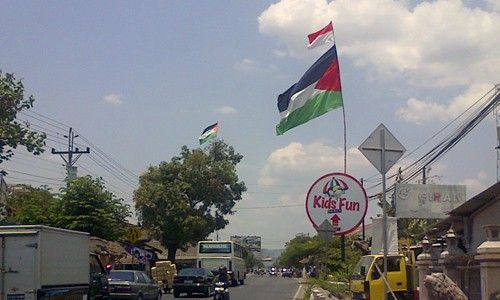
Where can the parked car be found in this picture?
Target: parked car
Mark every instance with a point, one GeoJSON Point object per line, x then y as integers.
{"type": "Point", "coordinates": [130, 284]}
{"type": "Point", "coordinates": [193, 280]}
{"type": "Point", "coordinates": [99, 287]}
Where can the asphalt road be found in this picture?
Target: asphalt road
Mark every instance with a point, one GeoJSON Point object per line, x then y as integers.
{"type": "Point", "coordinates": [257, 288]}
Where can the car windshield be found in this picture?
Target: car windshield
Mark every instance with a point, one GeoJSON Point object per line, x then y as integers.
{"type": "Point", "coordinates": [192, 272]}
{"type": "Point", "coordinates": [121, 276]}
{"type": "Point", "coordinates": [365, 262]}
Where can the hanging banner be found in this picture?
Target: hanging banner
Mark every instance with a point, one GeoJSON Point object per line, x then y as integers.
{"type": "Point", "coordinates": [377, 238]}
{"type": "Point", "coordinates": [427, 201]}
{"type": "Point", "coordinates": [141, 255]}
{"type": "Point", "coordinates": [337, 203]}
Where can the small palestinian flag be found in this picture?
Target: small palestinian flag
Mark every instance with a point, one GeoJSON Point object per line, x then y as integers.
{"type": "Point", "coordinates": [209, 133]}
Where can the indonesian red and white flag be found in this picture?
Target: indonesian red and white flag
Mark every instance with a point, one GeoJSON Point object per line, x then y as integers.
{"type": "Point", "coordinates": [321, 36]}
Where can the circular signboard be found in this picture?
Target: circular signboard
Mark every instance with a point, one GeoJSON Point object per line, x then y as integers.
{"type": "Point", "coordinates": [336, 202]}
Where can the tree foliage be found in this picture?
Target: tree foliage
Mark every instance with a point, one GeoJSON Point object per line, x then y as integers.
{"type": "Point", "coordinates": [326, 255]}
{"type": "Point", "coordinates": [32, 205]}
{"type": "Point", "coordinates": [12, 131]}
{"type": "Point", "coordinates": [251, 261]}
{"type": "Point", "coordinates": [86, 205]}
{"type": "Point", "coordinates": [83, 204]}
{"type": "Point", "coordinates": [184, 200]}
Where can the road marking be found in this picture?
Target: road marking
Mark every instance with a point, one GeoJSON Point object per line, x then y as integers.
{"type": "Point", "coordinates": [298, 291]}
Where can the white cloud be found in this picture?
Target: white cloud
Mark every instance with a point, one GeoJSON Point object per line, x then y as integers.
{"type": "Point", "coordinates": [115, 99]}
{"type": "Point", "coordinates": [439, 43]}
{"type": "Point", "coordinates": [494, 5]}
{"type": "Point", "coordinates": [226, 110]}
{"type": "Point", "coordinates": [301, 161]}
{"type": "Point", "coordinates": [475, 185]}
{"type": "Point", "coordinates": [280, 53]}
{"type": "Point", "coordinates": [421, 111]}
{"type": "Point", "coordinates": [247, 65]}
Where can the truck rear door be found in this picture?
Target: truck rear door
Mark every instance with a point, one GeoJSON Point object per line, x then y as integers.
{"type": "Point", "coordinates": [17, 263]}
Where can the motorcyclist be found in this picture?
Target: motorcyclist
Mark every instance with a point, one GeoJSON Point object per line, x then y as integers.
{"type": "Point", "coordinates": [223, 277]}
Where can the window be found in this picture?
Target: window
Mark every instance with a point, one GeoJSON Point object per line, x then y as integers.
{"type": "Point", "coordinates": [392, 264]}
{"type": "Point", "coordinates": [215, 248]}
{"type": "Point", "coordinates": [140, 278]}
{"type": "Point", "coordinates": [121, 276]}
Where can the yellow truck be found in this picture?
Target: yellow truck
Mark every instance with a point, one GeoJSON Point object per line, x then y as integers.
{"type": "Point", "coordinates": [366, 281]}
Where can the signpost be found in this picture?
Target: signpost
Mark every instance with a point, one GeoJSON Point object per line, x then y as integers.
{"type": "Point", "coordinates": [336, 204]}
{"type": "Point", "coordinates": [383, 150]}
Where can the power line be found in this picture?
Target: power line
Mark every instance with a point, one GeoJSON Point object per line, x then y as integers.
{"type": "Point", "coordinates": [271, 206]}
{"type": "Point", "coordinates": [110, 158]}
{"type": "Point", "coordinates": [34, 175]}
{"type": "Point", "coordinates": [27, 113]}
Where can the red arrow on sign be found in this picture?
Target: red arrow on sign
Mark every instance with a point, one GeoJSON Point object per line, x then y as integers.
{"type": "Point", "coordinates": [335, 219]}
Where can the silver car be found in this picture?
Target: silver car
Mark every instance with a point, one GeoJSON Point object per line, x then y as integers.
{"type": "Point", "coordinates": [127, 284]}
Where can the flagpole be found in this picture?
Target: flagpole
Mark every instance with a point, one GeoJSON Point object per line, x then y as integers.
{"type": "Point", "coordinates": [345, 140]}
{"type": "Point", "coordinates": [342, 236]}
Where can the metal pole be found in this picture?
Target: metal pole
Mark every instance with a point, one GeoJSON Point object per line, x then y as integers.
{"type": "Point", "coordinates": [424, 176]}
{"type": "Point", "coordinates": [384, 206]}
{"type": "Point", "coordinates": [362, 184]}
{"type": "Point", "coordinates": [342, 246]}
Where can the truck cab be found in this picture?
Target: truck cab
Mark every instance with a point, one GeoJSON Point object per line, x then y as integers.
{"type": "Point", "coordinates": [367, 282]}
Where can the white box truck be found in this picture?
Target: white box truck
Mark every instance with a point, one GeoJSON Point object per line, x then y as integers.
{"type": "Point", "coordinates": [41, 262]}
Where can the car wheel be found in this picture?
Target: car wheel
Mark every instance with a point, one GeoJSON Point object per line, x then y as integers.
{"type": "Point", "coordinates": [176, 294]}
{"type": "Point", "coordinates": [242, 282]}
{"type": "Point", "coordinates": [139, 297]}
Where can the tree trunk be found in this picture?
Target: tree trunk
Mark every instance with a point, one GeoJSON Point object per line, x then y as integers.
{"type": "Point", "coordinates": [172, 249]}
{"type": "Point", "coordinates": [171, 253]}
{"type": "Point", "coordinates": [441, 287]}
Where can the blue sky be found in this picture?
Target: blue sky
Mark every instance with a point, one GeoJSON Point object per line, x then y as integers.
{"type": "Point", "coordinates": [141, 80]}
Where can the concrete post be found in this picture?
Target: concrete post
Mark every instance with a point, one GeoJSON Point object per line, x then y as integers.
{"type": "Point", "coordinates": [452, 257]}
{"type": "Point", "coordinates": [424, 263]}
{"type": "Point", "coordinates": [488, 255]}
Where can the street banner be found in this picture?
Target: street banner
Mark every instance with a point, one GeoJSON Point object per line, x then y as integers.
{"type": "Point", "coordinates": [377, 238]}
{"type": "Point", "coordinates": [336, 203]}
{"type": "Point", "coordinates": [427, 201]}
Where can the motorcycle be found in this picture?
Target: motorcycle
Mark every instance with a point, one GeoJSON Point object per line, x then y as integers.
{"type": "Point", "coordinates": [221, 291]}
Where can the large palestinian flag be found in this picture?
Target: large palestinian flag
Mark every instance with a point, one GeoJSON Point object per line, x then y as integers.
{"type": "Point", "coordinates": [317, 92]}
{"type": "Point", "coordinates": [209, 133]}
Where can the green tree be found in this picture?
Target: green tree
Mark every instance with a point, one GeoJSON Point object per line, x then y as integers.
{"type": "Point", "coordinates": [86, 205]}
{"type": "Point", "coordinates": [182, 201]}
{"type": "Point", "coordinates": [251, 261]}
{"type": "Point", "coordinates": [326, 255]}
{"type": "Point", "coordinates": [12, 131]}
{"type": "Point", "coordinates": [31, 205]}
{"type": "Point", "coordinates": [299, 248]}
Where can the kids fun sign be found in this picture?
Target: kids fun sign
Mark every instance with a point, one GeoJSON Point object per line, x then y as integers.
{"type": "Point", "coordinates": [339, 199]}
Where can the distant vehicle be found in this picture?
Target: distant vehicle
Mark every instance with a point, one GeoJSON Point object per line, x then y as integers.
{"type": "Point", "coordinates": [130, 284]}
{"type": "Point", "coordinates": [273, 272]}
{"type": "Point", "coordinates": [214, 254]}
{"type": "Point", "coordinates": [286, 272]}
{"type": "Point", "coordinates": [193, 280]}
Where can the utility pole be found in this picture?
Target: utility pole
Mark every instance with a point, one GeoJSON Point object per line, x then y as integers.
{"type": "Point", "coordinates": [497, 117]}
{"type": "Point", "coordinates": [70, 160]}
